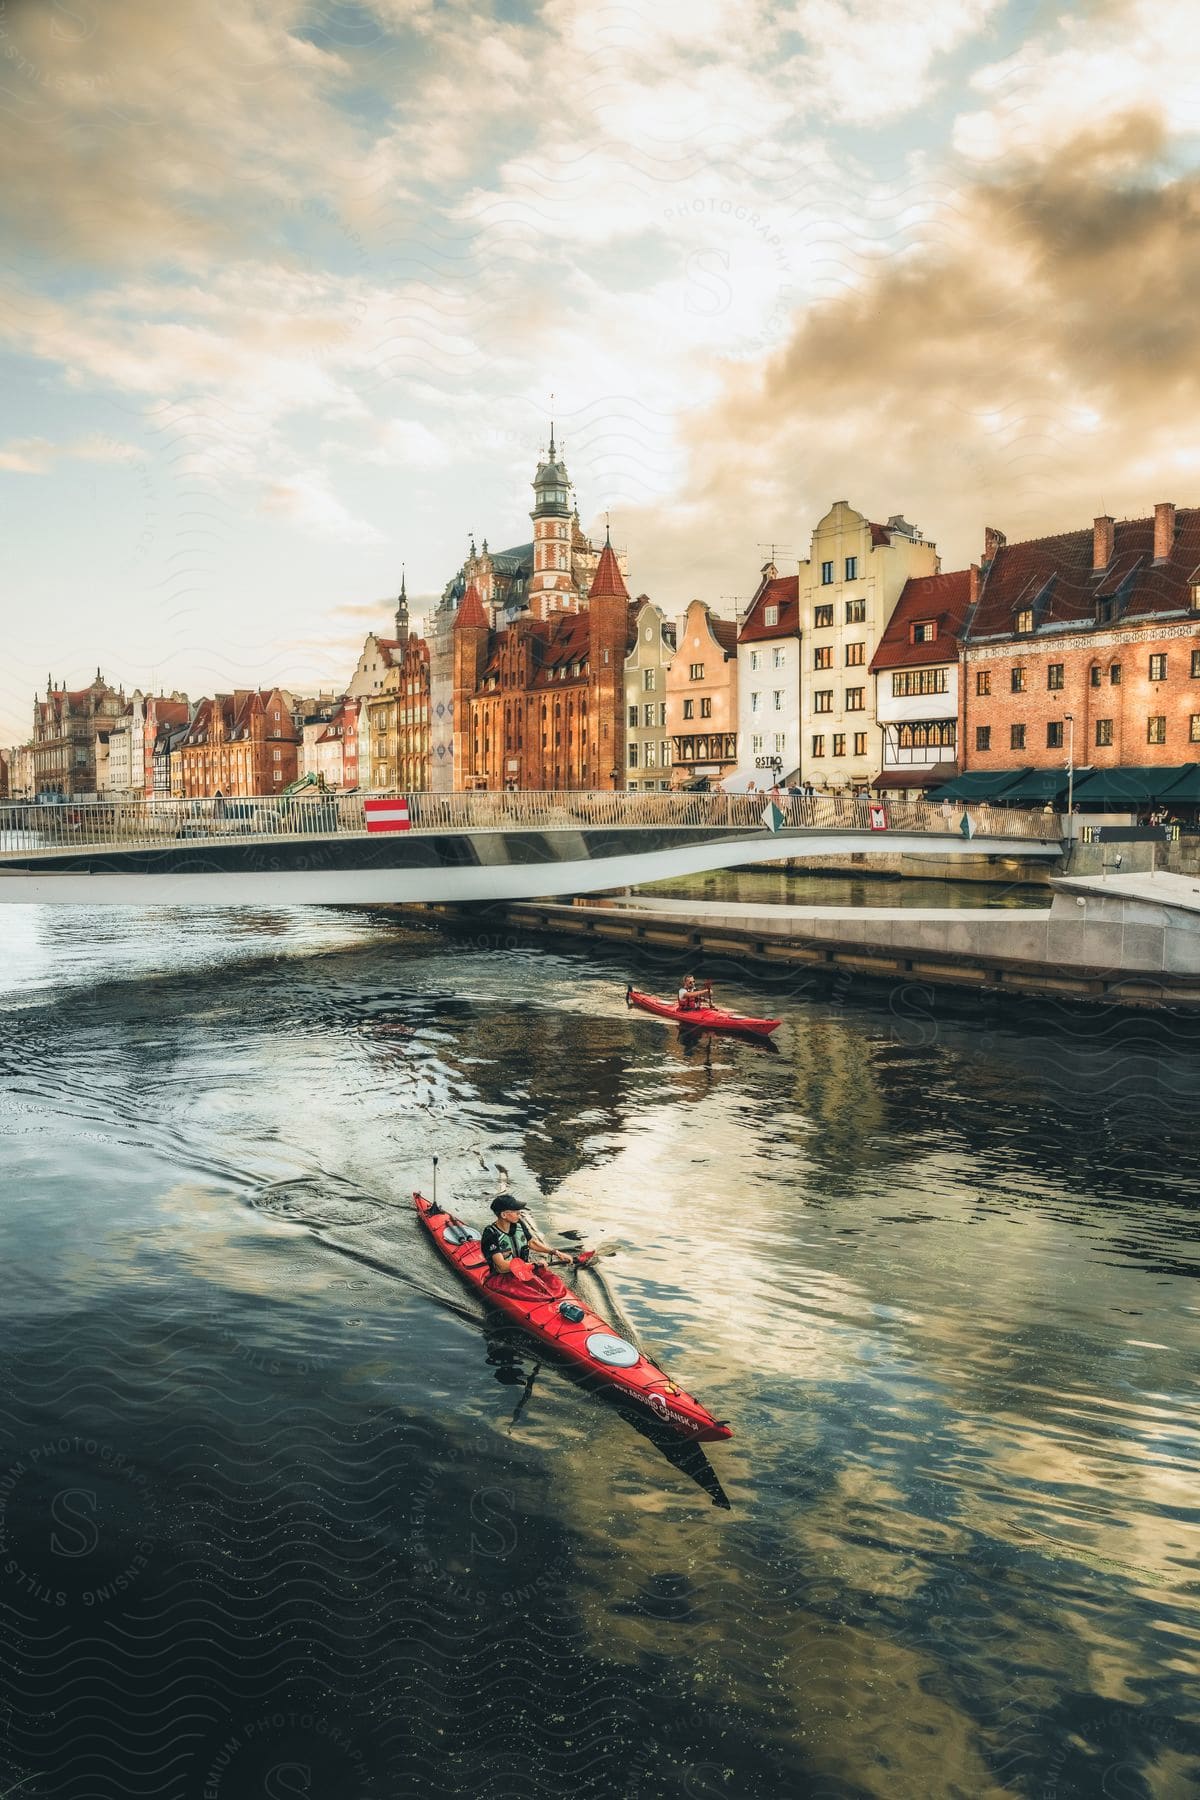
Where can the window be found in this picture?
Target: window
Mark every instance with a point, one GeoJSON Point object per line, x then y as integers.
{"type": "Point", "coordinates": [1156, 728]}
{"type": "Point", "coordinates": [1194, 729]}
{"type": "Point", "coordinates": [755, 703]}
{"type": "Point", "coordinates": [983, 681]}
{"type": "Point", "coordinates": [826, 573]}
{"type": "Point", "coordinates": [695, 671]}
{"type": "Point", "coordinates": [822, 616]}
{"type": "Point", "coordinates": [1114, 674]}
{"type": "Point", "coordinates": [818, 746]}
{"type": "Point", "coordinates": [778, 657]}
{"type": "Point", "coordinates": [1095, 674]}
{"type": "Point", "coordinates": [839, 743]}
{"type": "Point", "coordinates": [856, 655]}
{"type": "Point", "coordinates": [777, 699]}
{"type": "Point", "coordinates": [649, 759]}
{"type": "Point", "coordinates": [647, 681]}
{"type": "Point", "coordinates": [823, 700]}
{"type": "Point", "coordinates": [1104, 731]}
{"type": "Point", "coordinates": [753, 660]}
{"type": "Point", "coordinates": [770, 615]}
{"type": "Point", "coordinates": [856, 612]}
{"type": "Point", "coordinates": [633, 718]}
{"type": "Point", "coordinates": [278, 754]}
{"type": "Point", "coordinates": [1016, 737]}
{"type": "Point", "coordinates": [1025, 620]}
{"type": "Point", "coordinates": [1054, 675]}
{"type": "Point", "coordinates": [1158, 668]}
{"type": "Point", "coordinates": [648, 712]}
{"type": "Point", "coordinates": [756, 743]}
{"type": "Point", "coordinates": [633, 756]}
{"type": "Point", "coordinates": [923, 632]}
{"type": "Point", "coordinates": [705, 707]}
{"type": "Point", "coordinates": [852, 568]}
{"type": "Point", "coordinates": [780, 742]}
{"type": "Point", "coordinates": [918, 681]}
{"type": "Point", "coordinates": [983, 737]}
{"type": "Point", "coordinates": [860, 743]}
{"type": "Point", "coordinates": [823, 657]}
{"type": "Point", "coordinates": [689, 709]}
{"type": "Point", "coordinates": [662, 713]}
{"type": "Point", "coordinates": [855, 700]}
{"type": "Point", "coordinates": [1017, 680]}
{"type": "Point", "coordinates": [1196, 665]}
{"type": "Point", "coordinates": [1054, 734]}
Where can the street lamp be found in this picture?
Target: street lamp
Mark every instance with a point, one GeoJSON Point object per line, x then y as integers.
{"type": "Point", "coordinates": [1070, 718]}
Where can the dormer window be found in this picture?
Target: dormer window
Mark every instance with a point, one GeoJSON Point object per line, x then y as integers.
{"type": "Point", "coordinates": [771, 615]}
{"type": "Point", "coordinates": [924, 631]}
{"type": "Point", "coordinates": [1025, 619]}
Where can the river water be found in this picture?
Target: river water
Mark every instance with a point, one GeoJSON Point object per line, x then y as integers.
{"type": "Point", "coordinates": [282, 1514]}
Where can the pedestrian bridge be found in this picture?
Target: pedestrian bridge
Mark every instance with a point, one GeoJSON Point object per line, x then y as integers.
{"type": "Point", "coordinates": [458, 848]}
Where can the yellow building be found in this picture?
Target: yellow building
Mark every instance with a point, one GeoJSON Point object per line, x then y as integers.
{"type": "Point", "coordinates": [848, 588]}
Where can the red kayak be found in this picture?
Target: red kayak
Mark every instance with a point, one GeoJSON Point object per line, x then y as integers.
{"type": "Point", "coordinates": [569, 1326]}
{"type": "Point", "coordinates": [703, 1018]}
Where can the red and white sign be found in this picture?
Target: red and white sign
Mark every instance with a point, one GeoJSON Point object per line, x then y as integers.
{"type": "Point", "coordinates": [387, 815]}
{"type": "Point", "coordinates": [879, 818]}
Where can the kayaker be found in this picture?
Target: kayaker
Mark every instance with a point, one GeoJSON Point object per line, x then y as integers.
{"type": "Point", "coordinates": [506, 1244]}
{"type": "Point", "coordinates": [691, 996]}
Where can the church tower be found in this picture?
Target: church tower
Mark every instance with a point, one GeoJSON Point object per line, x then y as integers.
{"type": "Point", "coordinates": [608, 629]}
{"type": "Point", "coordinates": [471, 637]}
{"type": "Point", "coordinates": [550, 586]}
{"type": "Point", "coordinates": [402, 614]}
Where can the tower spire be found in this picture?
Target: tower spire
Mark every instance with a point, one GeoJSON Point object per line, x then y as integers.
{"type": "Point", "coordinates": [402, 611]}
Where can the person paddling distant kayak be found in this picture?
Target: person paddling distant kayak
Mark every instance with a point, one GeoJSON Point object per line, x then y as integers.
{"type": "Point", "coordinates": [506, 1244]}
{"type": "Point", "coordinates": [691, 996]}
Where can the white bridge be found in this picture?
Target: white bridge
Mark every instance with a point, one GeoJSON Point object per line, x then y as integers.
{"type": "Point", "coordinates": [459, 848]}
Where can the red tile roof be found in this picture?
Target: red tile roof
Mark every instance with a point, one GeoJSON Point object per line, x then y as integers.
{"type": "Point", "coordinates": [471, 612]}
{"type": "Point", "coordinates": [608, 582]}
{"type": "Point", "coordinates": [782, 591]}
{"type": "Point", "coordinates": [1053, 577]}
{"type": "Point", "coordinates": [726, 633]}
{"type": "Point", "coordinates": [880, 534]}
{"type": "Point", "coordinates": [946, 600]}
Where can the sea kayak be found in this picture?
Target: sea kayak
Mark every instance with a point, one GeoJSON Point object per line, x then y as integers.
{"type": "Point", "coordinates": [570, 1327]}
{"type": "Point", "coordinates": [702, 1018]}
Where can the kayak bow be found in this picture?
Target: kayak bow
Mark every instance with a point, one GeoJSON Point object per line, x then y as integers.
{"type": "Point", "coordinates": [587, 1341]}
{"type": "Point", "coordinates": [703, 1018]}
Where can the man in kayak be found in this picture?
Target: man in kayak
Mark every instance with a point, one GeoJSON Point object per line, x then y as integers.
{"type": "Point", "coordinates": [506, 1244]}
{"type": "Point", "coordinates": [691, 996]}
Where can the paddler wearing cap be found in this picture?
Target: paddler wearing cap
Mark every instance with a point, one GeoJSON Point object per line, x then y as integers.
{"type": "Point", "coordinates": [506, 1244]}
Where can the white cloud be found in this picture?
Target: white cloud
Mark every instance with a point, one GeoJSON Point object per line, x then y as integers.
{"type": "Point", "coordinates": [307, 500]}
{"type": "Point", "coordinates": [870, 61]}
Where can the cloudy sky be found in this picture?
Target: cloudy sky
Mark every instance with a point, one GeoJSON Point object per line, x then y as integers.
{"type": "Point", "coordinates": [288, 289]}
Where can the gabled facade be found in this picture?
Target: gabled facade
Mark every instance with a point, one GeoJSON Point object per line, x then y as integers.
{"type": "Point", "coordinates": [68, 724]}
{"type": "Point", "coordinates": [540, 702]}
{"type": "Point", "coordinates": [702, 697]}
{"type": "Point", "coordinates": [769, 652]}
{"type": "Point", "coordinates": [1085, 648]}
{"type": "Point", "coordinates": [917, 690]}
{"type": "Point", "coordinates": [647, 740]}
{"type": "Point", "coordinates": [242, 743]}
{"type": "Point", "coordinates": [848, 589]}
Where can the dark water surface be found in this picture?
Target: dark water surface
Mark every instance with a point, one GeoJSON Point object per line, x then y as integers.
{"type": "Point", "coordinates": [282, 1515]}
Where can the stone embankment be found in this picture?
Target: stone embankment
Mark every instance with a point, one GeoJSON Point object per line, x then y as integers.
{"type": "Point", "coordinates": [1129, 940]}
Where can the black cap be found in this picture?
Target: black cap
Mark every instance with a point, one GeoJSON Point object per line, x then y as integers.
{"type": "Point", "coordinates": [506, 1203]}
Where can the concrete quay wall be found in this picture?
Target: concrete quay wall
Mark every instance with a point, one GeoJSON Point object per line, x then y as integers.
{"type": "Point", "coordinates": [1095, 947]}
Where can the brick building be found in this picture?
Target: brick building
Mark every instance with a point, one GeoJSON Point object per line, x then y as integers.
{"type": "Point", "coordinates": [68, 726]}
{"type": "Point", "coordinates": [917, 689]}
{"type": "Point", "coordinates": [539, 703]}
{"type": "Point", "coordinates": [702, 697]}
{"type": "Point", "coordinates": [1084, 649]}
{"type": "Point", "coordinates": [242, 743]}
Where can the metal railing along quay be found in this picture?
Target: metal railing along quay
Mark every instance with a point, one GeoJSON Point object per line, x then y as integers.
{"type": "Point", "coordinates": [75, 826]}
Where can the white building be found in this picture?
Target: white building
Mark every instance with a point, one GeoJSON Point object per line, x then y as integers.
{"type": "Point", "coordinates": [916, 675]}
{"type": "Point", "coordinates": [769, 649]}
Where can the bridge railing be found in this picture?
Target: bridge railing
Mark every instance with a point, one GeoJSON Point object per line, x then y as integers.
{"type": "Point", "coordinates": [150, 824]}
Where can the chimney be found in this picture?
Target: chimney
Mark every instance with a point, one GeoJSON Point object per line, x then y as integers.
{"type": "Point", "coordinates": [992, 541]}
{"type": "Point", "coordinates": [1103, 540]}
{"type": "Point", "coordinates": [1164, 530]}
{"type": "Point", "coordinates": [973, 585]}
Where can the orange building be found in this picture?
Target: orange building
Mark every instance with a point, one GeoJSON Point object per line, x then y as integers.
{"type": "Point", "coordinates": [702, 696]}
{"type": "Point", "coordinates": [1084, 649]}
{"type": "Point", "coordinates": [540, 703]}
{"type": "Point", "coordinates": [246, 742]}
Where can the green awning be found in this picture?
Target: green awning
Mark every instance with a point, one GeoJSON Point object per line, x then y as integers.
{"type": "Point", "coordinates": [1186, 791]}
{"type": "Point", "coordinates": [978, 785]}
{"type": "Point", "coordinates": [1036, 786]}
{"type": "Point", "coordinates": [1135, 786]}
